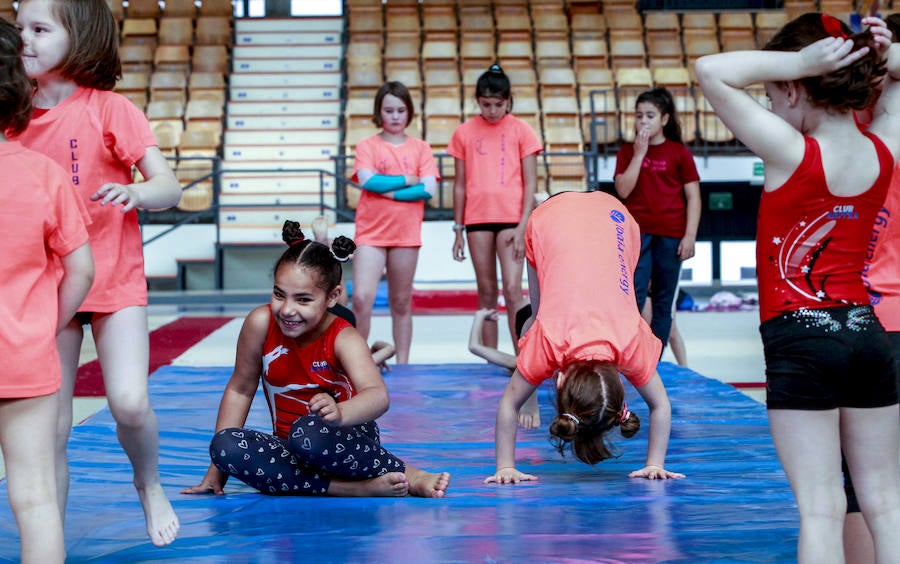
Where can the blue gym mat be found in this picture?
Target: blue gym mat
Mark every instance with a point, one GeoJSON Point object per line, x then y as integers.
{"type": "Point", "coordinates": [734, 506]}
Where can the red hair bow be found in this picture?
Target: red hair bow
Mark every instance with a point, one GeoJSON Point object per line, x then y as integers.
{"type": "Point", "coordinates": [833, 27]}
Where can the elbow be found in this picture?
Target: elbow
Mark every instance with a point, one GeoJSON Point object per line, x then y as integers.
{"type": "Point", "coordinates": [704, 69]}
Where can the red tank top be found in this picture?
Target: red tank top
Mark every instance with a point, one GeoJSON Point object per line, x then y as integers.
{"type": "Point", "coordinates": [292, 375]}
{"type": "Point", "coordinates": [811, 244]}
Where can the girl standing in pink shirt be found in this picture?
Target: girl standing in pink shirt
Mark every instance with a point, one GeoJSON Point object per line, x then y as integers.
{"type": "Point", "coordinates": [397, 173]}
{"type": "Point", "coordinates": [43, 229]}
{"type": "Point", "coordinates": [495, 155]}
{"type": "Point", "coordinates": [71, 52]}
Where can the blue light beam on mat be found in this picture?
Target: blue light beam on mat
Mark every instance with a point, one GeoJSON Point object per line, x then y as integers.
{"type": "Point", "coordinates": [734, 506]}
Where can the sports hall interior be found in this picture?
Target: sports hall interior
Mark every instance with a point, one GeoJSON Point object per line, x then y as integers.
{"type": "Point", "coordinates": [259, 105]}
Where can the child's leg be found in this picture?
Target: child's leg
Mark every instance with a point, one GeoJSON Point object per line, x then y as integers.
{"type": "Point", "coordinates": [27, 435]}
{"type": "Point", "coordinates": [808, 446]}
{"type": "Point", "coordinates": [368, 266]}
{"type": "Point", "coordinates": [511, 274]}
{"type": "Point", "coordinates": [642, 271]}
{"type": "Point", "coordinates": [483, 249]}
{"type": "Point", "coordinates": [123, 349]}
{"type": "Point", "coordinates": [401, 270]}
{"type": "Point", "coordinates": [871, 442]}
{"type": "Point", "coordinates": [354, 454]}
{"type": "Point", "coordinates": [68, 344]}
{"type": "Point", "coordinates": [664, 283]}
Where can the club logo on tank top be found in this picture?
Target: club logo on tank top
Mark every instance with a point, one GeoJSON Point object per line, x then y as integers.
{"type": "Point", "coordinates": [843, 212]}
{"type": "Point", "coordinates": [319, 366]}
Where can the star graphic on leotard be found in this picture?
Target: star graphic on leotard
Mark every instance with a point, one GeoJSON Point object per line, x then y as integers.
{"type": "Point", "coordinates": [776, 240]}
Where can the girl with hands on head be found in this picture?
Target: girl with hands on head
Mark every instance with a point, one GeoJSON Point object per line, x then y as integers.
{"type": "Point", "coordinates": [584, 337]}
{"type": "Point", "coordinates": [826, 179]}
{"type": "Point", "coordinates": [323, 391]}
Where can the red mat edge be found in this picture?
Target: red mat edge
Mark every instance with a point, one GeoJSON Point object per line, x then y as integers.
{"type": "Point", "coordinates": [166, 344]}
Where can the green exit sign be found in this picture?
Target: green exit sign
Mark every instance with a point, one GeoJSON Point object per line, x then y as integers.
{"type": "Point", "coordinates": [721, 201]}
{"type": "Point", "coordinates": [758, 169]}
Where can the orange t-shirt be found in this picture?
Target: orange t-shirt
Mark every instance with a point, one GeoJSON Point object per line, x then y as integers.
{"type": "Point", "coordinates": [382, 221]}
{"type": "Point", "coordinates": [584, 247]}
{"type": "Point", "coordinates": [882, 270]}
{"type": "Point", "coordinates": [97, 137]}
{"type": "Point", "coordinates": [493, 153]}
{"type": "Point", "coordinates": [40, 221]}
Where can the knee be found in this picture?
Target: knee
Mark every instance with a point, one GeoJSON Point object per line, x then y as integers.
{"type": "Point", "coordinates": [401, 303]}
{"type": "Point", "coordinates": [310, 437]}
{"type": "Point", "coordinates": [130, 410]}
{"type": "Point", "coordinates": [225, 444]}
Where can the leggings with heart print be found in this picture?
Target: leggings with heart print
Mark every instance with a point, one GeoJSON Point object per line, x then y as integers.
{"type": "Point", "coordinates": [306, 461]}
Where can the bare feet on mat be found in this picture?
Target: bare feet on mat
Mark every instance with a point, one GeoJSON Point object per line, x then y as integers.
{"type": "Point", "coordinates": [162, 523]}
{"type": "Point", "coordinates": [392, 484]}
{"type": "Point", "coordinates": [427, 484]}
{"type": "Point", "coordinates": [530, 413]}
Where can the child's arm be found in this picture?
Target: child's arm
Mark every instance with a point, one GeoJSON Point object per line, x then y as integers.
{"type": "Point", "coordinates": [626, 181]}
{"type": "Point", "coordinates": [477, 346]}
{"type": "Point", "coordinates": [78, 267]}
{"type": "Point", "coordinates": [517, 391]}
{"type": "Point", "coordinates": [654, 393]}
{"type": "Point", "coordinates": [693, 201]}
{"type": "Point", "coordinates": [459, 206]}
{"type": "Point", "coordinates": [723, 77]}
{"type": "Point", "coordinates": [371, 398]}
{"type": "Point", "coordinates": [159, 190]}
{"type": "Point", "coordinates": [239, 392]}
{"type": "Point", "coordinates": [886, 113]}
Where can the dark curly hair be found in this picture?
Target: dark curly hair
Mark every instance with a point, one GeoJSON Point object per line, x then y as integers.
{"type": "Point", "coordinates": [16, 88]}
{"type": "Point", "coordinates": [590, 402]}
{"type": "Point", "coordinates": [312, 254]}
{"type": "Point", "coordinates": [854, 87]}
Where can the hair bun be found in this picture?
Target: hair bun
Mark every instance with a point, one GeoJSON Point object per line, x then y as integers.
{"type": "Point", "coordinates": [342, 247]}
{"type": "Point", "coordinates": [291, 232]}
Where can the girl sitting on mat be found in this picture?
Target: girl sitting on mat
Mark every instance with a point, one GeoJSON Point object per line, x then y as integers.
{"type": "Point", "coordinates": [584, 336]}
{"type": "Point", "coordinates": [830, 380]}
{"type": "Point", "coordinates": [324, 393]}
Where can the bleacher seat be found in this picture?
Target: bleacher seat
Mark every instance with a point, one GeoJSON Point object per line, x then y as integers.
{"type": "Point", "coordinates": [176, 30]}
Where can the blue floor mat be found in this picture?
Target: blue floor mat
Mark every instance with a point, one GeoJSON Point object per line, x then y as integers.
{"type": "Point", "coordinates": [734, 506]}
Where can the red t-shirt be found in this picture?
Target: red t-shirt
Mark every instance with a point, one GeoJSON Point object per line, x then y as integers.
{"type": "Point", "coordinates": [493, 153]}
{"type": "Point", "coordinates": [811, 244]}
{"type": "Point", "coordinates": [657, 201]}
{"type": "Point", "coordinates": [40, 222]}
{"type": "Point", "coordinates": [97, 137]}
{"type": "Point", "coordinates": [292, 375]}
{"type": "Point", "coordinates": [584, 247]}
{"type": "Point", "coordinates": [382, 221]}
{"type": "Point", "coordinates": [882, 270]}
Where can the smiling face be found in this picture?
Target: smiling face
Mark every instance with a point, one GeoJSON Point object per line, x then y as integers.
{"type": "Point", "coordinates": [394, 114]}
{"type": "Point", "coordinates": [46, 41]}
{"type": "Point", "coordinates": [492, 108]}
{"type": "Point", "coordinates": [299, 303]}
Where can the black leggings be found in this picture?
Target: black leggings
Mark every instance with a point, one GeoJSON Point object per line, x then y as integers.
{"type": "Point", "coordinates": [305, 462]}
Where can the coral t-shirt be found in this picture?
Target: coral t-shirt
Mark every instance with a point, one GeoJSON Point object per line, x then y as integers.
{"type": "Point", "coordinates": [811, 244]}
{"type": "Point", "coordinates": [292, 375]}
{"type": "Point", "coordinates": [881, 273]}
{"type": "Point", "coordinates": [493, 153]}
{"type": "Point", "coordinates": [97, 137]}
{"type": "Point", "coordinates": [40, 221]}
{"type": "Point", "coordinates": [382, 221]}
{"type": "Point", "coordinates": [657, 201]}
{"type": "Point", "coordinates": [584, 247]}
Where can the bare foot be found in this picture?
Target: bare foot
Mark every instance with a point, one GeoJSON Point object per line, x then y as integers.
{"type": "Point", "coordinates": [427, 484]}
{"type": "Point", "coordinates": [392, 484]}
{"type": "Point", "coordinates": [530, 413]}
{"type": "Point", "coordinates": [162, 523]}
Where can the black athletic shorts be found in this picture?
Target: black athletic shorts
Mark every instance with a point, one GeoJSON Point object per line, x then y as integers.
{"type": "Point", "coordinates": [492, 227]}
{"type": "Point", "coordinates": [828, 358]}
